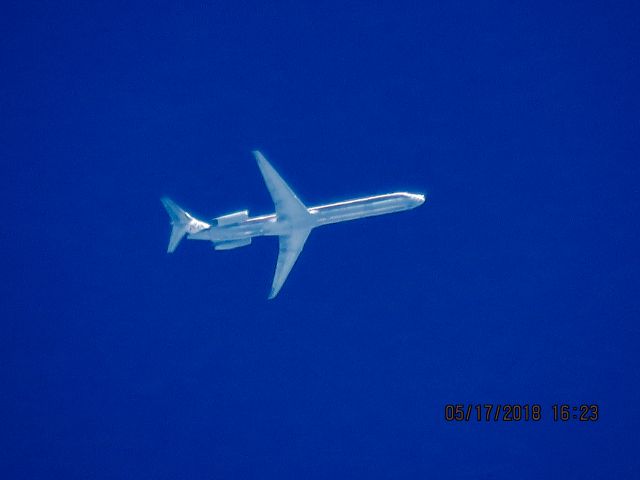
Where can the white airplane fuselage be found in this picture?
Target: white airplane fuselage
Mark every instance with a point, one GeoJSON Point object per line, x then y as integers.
{"type": "Point", "coordinates": [271, 225]}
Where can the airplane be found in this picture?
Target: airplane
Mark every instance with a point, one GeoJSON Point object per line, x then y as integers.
{"type": "Point", "coordinates": [291, 223]}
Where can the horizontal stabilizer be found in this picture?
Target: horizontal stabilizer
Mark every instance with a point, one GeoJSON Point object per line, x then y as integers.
{"type": "Point", "coordinates": [177, 234]}
{"type": "Point", "coordinates": [181, 223]}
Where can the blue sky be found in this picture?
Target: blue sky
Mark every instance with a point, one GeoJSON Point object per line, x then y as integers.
{"type": "Point", "coordinates": [517, 282]}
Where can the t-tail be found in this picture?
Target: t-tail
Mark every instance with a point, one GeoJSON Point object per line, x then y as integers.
{"type": "Point", "coordinates": [181, 223]}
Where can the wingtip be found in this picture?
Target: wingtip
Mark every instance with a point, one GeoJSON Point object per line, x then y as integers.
{"type": "Point", "coordinates": [274, 292]}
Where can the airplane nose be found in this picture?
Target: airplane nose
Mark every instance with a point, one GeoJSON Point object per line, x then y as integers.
{"type": "Point", "coordinates": [419, 199]}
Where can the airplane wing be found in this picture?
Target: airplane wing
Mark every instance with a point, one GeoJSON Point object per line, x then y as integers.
{"type": "Point", "coordinates": [289, 209]}
{"type": "Point", "coordinates": [288, 205]}
{"type": "Point", "coordinates": [290, 247]}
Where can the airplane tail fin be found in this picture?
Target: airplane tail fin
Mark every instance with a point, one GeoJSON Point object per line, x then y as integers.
{"type": "Point", "coordinates": [181, 223]}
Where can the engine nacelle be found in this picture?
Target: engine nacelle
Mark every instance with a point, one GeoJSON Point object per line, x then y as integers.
{"type": "Point", "coordinates": [232, 218]}
{"type": "Point", "coordinates": [231, 244]}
